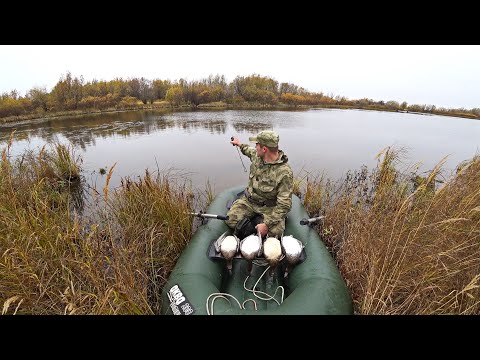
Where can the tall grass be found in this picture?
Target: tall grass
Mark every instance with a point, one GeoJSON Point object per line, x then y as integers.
{"type": "Point", "coordinates": [152, 214]}
{"type": "Point", "coordinates": [115, 262]}
{"type": "Point", "coordinates": [38, 237]}
{"type": "Point", "coordinates": [404, 244]}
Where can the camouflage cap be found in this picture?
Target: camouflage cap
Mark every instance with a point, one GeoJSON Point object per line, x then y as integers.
{"type": "Point", "coordinates": [267, 138]}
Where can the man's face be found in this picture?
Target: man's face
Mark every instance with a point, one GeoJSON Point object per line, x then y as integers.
{"type": "Point", "coordinates": [260, 150]}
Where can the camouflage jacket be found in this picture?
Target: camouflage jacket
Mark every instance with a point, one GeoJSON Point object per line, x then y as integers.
{"type": "Point", "coordinates": [270, 181]}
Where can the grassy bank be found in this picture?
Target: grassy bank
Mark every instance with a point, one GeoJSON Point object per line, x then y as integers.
{"type": "Point", "coordinates": [405, 244]}
{"type": "Point", "coordinates": [113, 262]}
{"type": "Point", "coordinates": [163, 105]}
{"type": "Point", "coordinates": [40, 115]}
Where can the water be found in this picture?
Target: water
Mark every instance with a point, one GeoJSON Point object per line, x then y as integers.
{"type": "Point", "coordinates": [194, 145]}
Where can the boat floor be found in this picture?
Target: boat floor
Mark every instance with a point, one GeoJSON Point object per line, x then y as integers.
{"type": "Point", "coordinates": [267, 287]}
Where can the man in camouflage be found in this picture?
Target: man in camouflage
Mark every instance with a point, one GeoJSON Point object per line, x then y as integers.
{"type": "Point", "coordinates": [270, 185]}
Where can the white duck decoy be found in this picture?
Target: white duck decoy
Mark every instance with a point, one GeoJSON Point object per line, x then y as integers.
{"type": "Point", "coordinates": [228, 247]}
{"type": "Point", "coordinates": [293, 249]}
{"type": "Point", "coordinates": [273, 252]}
{"type": "Point", "coordinates": [251, 247]}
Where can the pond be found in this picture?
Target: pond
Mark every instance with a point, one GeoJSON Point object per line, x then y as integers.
{"type": "Point", "coordinates": [194, 145]}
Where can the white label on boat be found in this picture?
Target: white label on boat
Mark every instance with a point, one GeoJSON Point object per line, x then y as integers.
{"type": "Point", "coordinates": [178, 302]}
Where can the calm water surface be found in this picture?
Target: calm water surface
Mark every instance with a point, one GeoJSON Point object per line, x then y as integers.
{"type": "Point", "coordinates": [195, 145]}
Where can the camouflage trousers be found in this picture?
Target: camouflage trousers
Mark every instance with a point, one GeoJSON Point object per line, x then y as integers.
{"type": "Point", "coordinates": [242, 208]}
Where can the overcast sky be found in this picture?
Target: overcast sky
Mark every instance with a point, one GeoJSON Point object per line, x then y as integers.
{"type": "Point", "coordinates": [441, 75]}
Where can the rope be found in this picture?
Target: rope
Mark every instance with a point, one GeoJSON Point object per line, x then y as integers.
{"type": "Point", "coordinates": [255, 292]}
{"type": "Point", "coordinates": [269, 297]}
{"type": "Point", "coordinates": [240, 156]}
{"type": "Point", "coordinates": [223, 296]}
{"type": "Point", "coordinates": [254, 303]}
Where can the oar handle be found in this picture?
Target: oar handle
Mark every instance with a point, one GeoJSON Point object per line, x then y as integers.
{"type": "Point", "coordinates": [311, 220]}
{"type": "Point", "coordinates": [210, 216]}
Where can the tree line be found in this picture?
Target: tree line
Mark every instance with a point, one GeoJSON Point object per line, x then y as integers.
{"type": "Point", "coordinates": [75, 94]}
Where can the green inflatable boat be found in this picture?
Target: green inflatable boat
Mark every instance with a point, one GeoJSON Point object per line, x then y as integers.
{"type": "Point", "coordinates": [200, 283]}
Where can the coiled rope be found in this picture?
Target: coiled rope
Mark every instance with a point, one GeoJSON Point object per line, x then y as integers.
{"type": "Point", "coordinates": [267, 297]}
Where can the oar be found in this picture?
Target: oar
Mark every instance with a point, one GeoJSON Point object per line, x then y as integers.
{"type": "Point", "coordinates": [209, 216]}
{"type": "Point", "coordinates": [311, 220]}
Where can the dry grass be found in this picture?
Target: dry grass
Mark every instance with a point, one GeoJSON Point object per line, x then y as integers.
{"type": "Point", "coordinates": [155, 227]}
{"type": "Point", "coordinates": [53, 262]}
{"type": "Point", "coordinates": [404, 246]}
{"type": "Point", "coordinates": [38, 236]}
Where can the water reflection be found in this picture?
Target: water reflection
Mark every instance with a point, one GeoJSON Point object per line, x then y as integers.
{"type": "Point", "coordinates": [197, 142]}
{"type": "Point", "coordinates": [82, 131]}
{"type": "Point", "coordinates": [77, 191]}
{"type": "Point", "coordinates": [251, 126]}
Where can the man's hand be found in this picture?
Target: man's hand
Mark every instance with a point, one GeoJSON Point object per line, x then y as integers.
{"type": "Point", "coordinates": [263, 228]}
{"type": "Point", "coordinates": [234, 141]}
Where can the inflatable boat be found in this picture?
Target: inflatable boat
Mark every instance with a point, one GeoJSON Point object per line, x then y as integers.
{"type": "Point", "coordinates": [200, 283]}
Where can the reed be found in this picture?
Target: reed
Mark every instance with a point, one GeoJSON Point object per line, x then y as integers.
{"type": "Point", "coordinates": [404, 246]}
{"type": "Point", "coordinates": [152, 215]}
{"type": "Point", "coordinates": [38, 236]}
{"type": "Point", "coordinates": [114, 261]}
{"type": "Point", "coordinates": [404, 242]}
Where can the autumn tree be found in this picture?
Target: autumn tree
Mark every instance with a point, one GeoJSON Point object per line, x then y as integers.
{"type": "Point", "coordinates": [134, 88]}
{"type": "Point", "coordinates": [175, 95]}
{"type": "Point", "coordinates": [39, 97]}
{"type": "Point", "coordinates": [76, 91]}
{"type": "Point", "coordinates": [160, 88]}
{"type": "Point", "coordinates": [288, 88]}
{"type": "Point", "coordinates": [145, 90]}
{"type": "Point", "coordinates": [393, 105]}
{"type": "Point", "coordinates": [191, 92]}
{"type": "Point", "coordinates": [118, 87]}
{"type": "Point", "coordinates": [61, 90]}
{"type": "Point", "coordinates": [292, 99]}
{"type": "Point", "coordinates": [252, 87]}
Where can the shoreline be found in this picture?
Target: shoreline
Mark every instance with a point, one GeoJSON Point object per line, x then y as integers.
{"type": "Point", "coordinates": [25, 119]}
